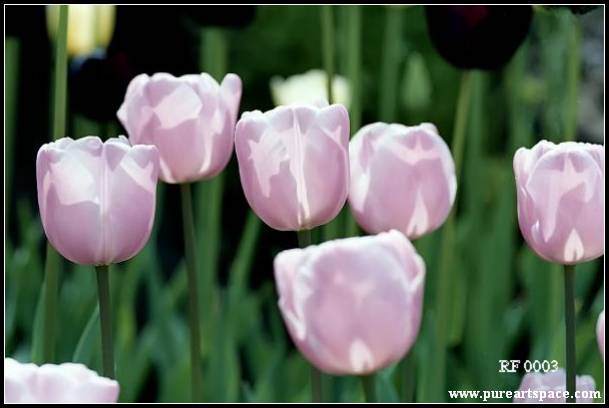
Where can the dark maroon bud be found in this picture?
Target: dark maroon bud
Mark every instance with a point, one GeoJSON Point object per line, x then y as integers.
{"type": "Point", "coordinates": [478, 37]}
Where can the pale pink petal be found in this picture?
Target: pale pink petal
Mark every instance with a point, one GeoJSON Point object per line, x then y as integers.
{"type": "Point", "coordinates": [293, 164]}
{"type": "Point", "coordinates": [550, 387]}
{"type": "Point", "coordinates": [352, 306]}
{"type": "Point", "coordinates": [560, 190]}
{"type": "Point", "coordinates": [66, 383]}
{"type": "Point", "coordinates": [402, 178]}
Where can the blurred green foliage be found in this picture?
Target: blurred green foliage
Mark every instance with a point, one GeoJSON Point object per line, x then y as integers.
{"type": "Point", "coordinates": [506, 302]}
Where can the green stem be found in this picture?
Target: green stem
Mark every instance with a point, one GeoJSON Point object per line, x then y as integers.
{"type": "Point", "coordinates": [573, 75]}
{"type": "Point", "coordinates": [570, 329]}
{"type": "Point", "coordinates": [407, 380]}
{"type": "Point", "coordinates": [353, 34]}
{"type": "Point", "coordinates": [51, 281]}
{"type": "Point", "coordinates": [327, 35]}
{"type": "Point", "coordinates": [353, 26]}
{"type": "Point", "coordinates": [213, 54]}
{"type": "Point", "coordinates": [193, 301]}
{"type": "Point", "coordinates": [304, 240]}
{"type": "Point", "coordinates": [105, 314]}
{"type": "Point", "coordinates": [463, 105]}
{"type": "Point", "coordinates": [443, 280]}
{"type": "Point", "coordinates": [390, 64]}
{"type": "Point", "coordinates": [332, 229]}
{"type": "Point", "coordinates": [11, 50]}
{"type": "Point", "coordinates": [316, 389]}
{"type": "Point", "coordinates": [368, 383]}
{"type": "Point", "coordinates": [61, 75]}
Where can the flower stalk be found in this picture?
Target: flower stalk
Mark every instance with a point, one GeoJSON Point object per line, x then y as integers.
{"type": "Point", "coordinates": [193, 296]}
{"type": "Point", "coordinates": [105, 314]}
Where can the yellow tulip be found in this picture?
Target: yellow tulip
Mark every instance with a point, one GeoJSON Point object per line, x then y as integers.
{"type": "Point", "coordinates": [89, 27]}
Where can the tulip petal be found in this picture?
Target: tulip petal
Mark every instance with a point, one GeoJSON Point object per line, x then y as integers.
{"type": "Point", "coordinates": [560, 190]}
{"type": "Point", "coordinates": [352, 306]}
{"type": "Point", "coordinates": [190, 119]}
{"type": "Point", "coordinates": [403, 178]}
{"type": "Point", "coordinates": [293, 164]}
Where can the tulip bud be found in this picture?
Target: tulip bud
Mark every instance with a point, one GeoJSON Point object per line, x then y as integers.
{"type": "Point", "coordinates": [190, 119]}
{"type": "Point", "coordinates": [309, 88]}
{"type": "Point", "coordinates": [89, 27]}
{"type": "Point", "coordinates": [477, 36]}
{"type": "Point", "coordinates": [352, 306]}
{"type": "Point", "coordinates": [52, 384]}
{"type": "Point", "coordinates": [96, 199]}
{"type": "Point", "coordinates": [600, 333]}
{"type": "Point", "coordinates": [550, 387]}
{"type": "Point", "coordinates": [401, 178]}
{"type": "Point", "coordinates": [561, 200]}
{"type": "Point", "coordinates": [294, 164]}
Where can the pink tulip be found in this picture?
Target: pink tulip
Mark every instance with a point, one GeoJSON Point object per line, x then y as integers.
{"type": "Point", "coordinates": [550, 388]}
{"type": "Point", "coordinates": [352, 306]}
{"type": "Point", "coordinates": [600, 333]}
{"type": "Point", "coordinates": [561, 200]}
{"type": "Point", "coordinates": [401, 178]}
{"type": "Point", "coordinates": [294, 164]}
{"type": "Point", "coordinates": [190, 119]}
{"type": "Point", "coordinates": [97, 199]}
{"type": "Point", "coordinates": [50, 383]}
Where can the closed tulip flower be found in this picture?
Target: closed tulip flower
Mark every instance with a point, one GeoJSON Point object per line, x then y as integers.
{"type": "Point", "coordinates": [309, 87]}
{"type": "Point", "coordinates": [561, 200]}
{"type": "Point", "coordinates": [600, 333]}
{"type": "Point", "coordinates": [352, 306]}
{"type": "Point", "coordinates": [53, 384]}
{"type": "Point", "coordinates": [190, 119]}
{"type": "Point", "coordinates": [401, 178]}
{"type": "Point", "coordinates": [90, 27]}
{"type": "Point", "coordinates": [550, 388]}
{"type": "Point", "coordinates": [96, 199]}
{"type": "Point", "coordinates": [294, 164]}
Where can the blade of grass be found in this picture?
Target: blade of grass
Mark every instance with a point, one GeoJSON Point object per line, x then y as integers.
{"type": "Point", "coordinates": [87, 342]}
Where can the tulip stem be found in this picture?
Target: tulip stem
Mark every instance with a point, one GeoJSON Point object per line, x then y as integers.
{"type": "Point", "coordinates": [61, 75]}
{"type": "Point", "coordinates": [51, 281]}
{"type": "Point", "coordinates": [570, 329]}
{"type": "Point", "coordinates": [444, 278]}
{"type": "Point", "coordinates": [368, 383]}
{"type": "Point", "coordinates": [390, 64]}
{"type": "Point", "coordinates": [327, 35]}
{"type": "Point", "coordinates": [105, 314]}
{"type": "Point", "coordinates": [193, 301]}
{"type": "Point", "coordinates": [304, 240]}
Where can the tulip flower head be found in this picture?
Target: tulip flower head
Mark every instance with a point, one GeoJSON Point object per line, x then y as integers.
{"type": "Point", "coordinates": [561, 200]}
{"type": "Point", "coordinates": [352, 306]}
{"type": "Point", "coordinates": [310, 87]}
{"type": "Point", "coordinates": [600, 333]}
{"type": "Point", "coordinates": [478, 36]}
{"type": "Point", "coordinates": [190, 119]}
{"type": "Point", "coordinates": [401, 178]}
{"type": "Point", "coordinates": [50, 383]}
{"type": "Point", "coordinates": [294, 164]}
{"type": "Point", "coordinates": [550, 388]}
{"type": "Point", "coordinates": [90, 27]}
{"type": "Point", "coordinates": [97, 200]}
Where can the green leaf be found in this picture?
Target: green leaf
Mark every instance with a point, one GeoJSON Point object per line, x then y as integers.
{"type": "Point", "coordinates": [88, 344]}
